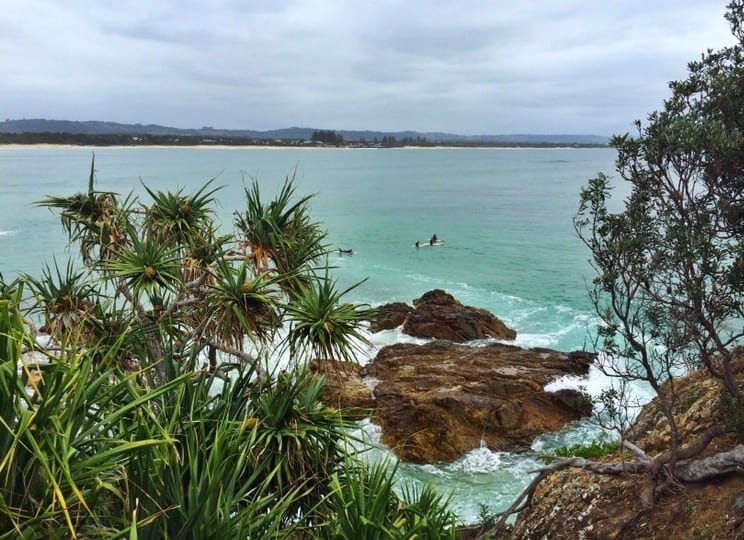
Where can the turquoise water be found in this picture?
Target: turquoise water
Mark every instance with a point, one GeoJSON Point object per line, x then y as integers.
{"type": "Point", "coordinates": [504, 214]}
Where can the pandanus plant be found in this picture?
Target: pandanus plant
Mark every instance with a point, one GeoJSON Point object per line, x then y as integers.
{"type": "Point", "coordinates": [177, 219]}
{"type": "Point", "coordinates": [240, 305]}
{"type": "Point", "coordinates": [63, 297]}
{"type": "Point", "coordinates": [94, 219]}
{"type": "Point", "coordinates": [273, 229]}
{"type": "Point", "coordinates": [126, 434]}
{"type": "Point", "coordinates": [147, 268]}
{"type": "Point", "coordinates": [322, 325]}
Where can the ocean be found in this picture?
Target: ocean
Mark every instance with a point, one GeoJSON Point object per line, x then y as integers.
{"type": "Point", "coordinates": [504, 216]}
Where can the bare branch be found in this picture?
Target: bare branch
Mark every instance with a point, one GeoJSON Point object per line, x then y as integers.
{"type": "Point", "coordinates": [712, 467]}
{"type": "Point", "coordinates": [685, 471]}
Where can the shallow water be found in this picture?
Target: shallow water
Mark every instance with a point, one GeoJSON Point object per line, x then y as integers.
{"type": "Point", "coordinates": [504, 215]}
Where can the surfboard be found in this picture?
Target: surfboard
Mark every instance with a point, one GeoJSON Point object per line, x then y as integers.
{"type": "Point", "coordinates": [427, 244]}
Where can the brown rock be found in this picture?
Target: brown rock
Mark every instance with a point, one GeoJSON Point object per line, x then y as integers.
{"type": "Point", "coordinates": [390, 316]}
{"type": "Point", "coordinates": [439, 400]}
{"type": "Point", "coordinates": [572, 503]}
{"type": "Point", "coordinates": [577, 505]}
{"type": "Point", "coordinates": [344, 387]}
{"type": "Point", "coordinates": [439, 315]}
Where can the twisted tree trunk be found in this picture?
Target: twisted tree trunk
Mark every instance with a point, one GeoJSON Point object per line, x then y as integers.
{"type": "Point", "coordinates": [685, 469]}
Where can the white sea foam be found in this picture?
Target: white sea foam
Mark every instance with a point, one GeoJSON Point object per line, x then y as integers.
{"type": "Point", "coordinates": [580, 432]}
{"type": "Point", "coordinates": [595, 382]}
{"type": "Point", "coordinates": [7, 233]}
{"type": "Point", "coordinates": [478, 460]}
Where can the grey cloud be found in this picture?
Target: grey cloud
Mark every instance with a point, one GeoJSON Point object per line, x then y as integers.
{"type": "Point", "coordinates": [469, 67]}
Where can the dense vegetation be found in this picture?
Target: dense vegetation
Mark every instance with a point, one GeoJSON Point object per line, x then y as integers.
{"type": "Point", "coordinates": [327, 136]}
{"type": "Point", "coordinates": [669, 285]}
{"type": "Point", "coordinates": [670, 267]}
{"type": "Point", "coordinates": [155, 412]}
{"type": "Point", "coordinates": [137, 138]}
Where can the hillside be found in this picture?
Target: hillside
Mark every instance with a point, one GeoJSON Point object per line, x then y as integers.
{"type": "Point", "coordinates": [101, 128]}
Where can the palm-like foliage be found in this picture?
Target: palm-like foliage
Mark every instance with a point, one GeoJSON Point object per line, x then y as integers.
{"type": "Point", "coordinates": [177, 219]}
{"type": "Point", "coordinates": [6, 289]}
{"type": "Point", "coordinates": [147, 267]}
{"type": "Point", "coordinates": [65, 445]}
{"type": "Point", "coordinates": [93, 219]}
{"type": "Point", "coordinates": [365, 506]}
{"type": "Point", "coordinates": [267, 228]}
{"type": "Point", "coordinates": [63, 297]}
{"type": "Point", "coordinates": [364, 503]}
{"type": "Point", "coordinates": [297, 435]}
{"type": "Point", "coordinates": [112, 325]}
{"type": "Point", "coordinates": [296, 255]}
{"type": "Point", "coordinates": [427, 513]}
{"type": "Point", "coordinates": [205, 248]}
{"type": "Point", "coordinates": [207, 484]}
{"type": "Point", "coordinates": [240, 305]}
{"type": "Point", "coordinates": [12, 333]}
{"type": "Point", "coordinates": [125, 434]}
{"type": "Point", "coordinates": [324, 326]}
{"type": "Point", "coordinates": [95, 453]}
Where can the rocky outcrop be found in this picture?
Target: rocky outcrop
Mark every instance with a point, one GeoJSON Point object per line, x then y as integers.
{"type": "Point", "coordinates": [442, 399]}
{"type": "Point", "coordinates": [344, 387]}
{"type": "Point", "coordinates": [439, 315]}
{"type": "Point", "coordinates": [439, 400]}
{"type": "Point", "coordinates": [573, 503]}
{"type": "Point", "coordinates": [390, 316]}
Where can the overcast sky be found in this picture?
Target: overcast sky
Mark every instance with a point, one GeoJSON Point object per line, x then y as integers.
{"type": "Point", "coordinates": [467, 67]}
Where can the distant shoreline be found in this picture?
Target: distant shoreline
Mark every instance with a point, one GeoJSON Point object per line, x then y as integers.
{"type": "Point", "coordinates": [40, 146]}
{"type": "Point", "coordinates": [323, 139]}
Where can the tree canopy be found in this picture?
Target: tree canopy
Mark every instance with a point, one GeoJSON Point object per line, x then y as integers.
{"type": "Point", "coordinates": [669, 284]}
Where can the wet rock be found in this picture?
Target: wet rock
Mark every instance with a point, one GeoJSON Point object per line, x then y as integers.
{"type": "Point", "coordinates": [390, 316]}
{"type": "Point", "coordinates": [572, 503]}
{"type": "Point", "coordinates": [344, 387]}
{"type": "Point", "coordinates": [439, 315]}
{"type": "Point", "coordinates": [439, 400]}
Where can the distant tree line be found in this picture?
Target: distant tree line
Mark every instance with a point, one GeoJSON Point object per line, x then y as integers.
{"type": "Point", "coordinates": [327, 136]}
{"type": "Point", "coordinates": [120, 139]}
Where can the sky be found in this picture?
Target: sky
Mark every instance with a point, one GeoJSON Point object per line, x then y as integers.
{"type": "Point", "coordinates": [469, 67]}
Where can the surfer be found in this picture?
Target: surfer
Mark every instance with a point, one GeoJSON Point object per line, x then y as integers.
{"type": "Point", "coordinates": [344, 251]}
{"type": "Point", "coordinates": [418, 244]}
{"type": "Point", "coordinates": [433, 239]}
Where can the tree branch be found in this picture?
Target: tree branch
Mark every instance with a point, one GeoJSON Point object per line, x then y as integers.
{"type": "Point", "coordinates": [685, 471]}
{"type": "Point", "coordinates": [713, 466]}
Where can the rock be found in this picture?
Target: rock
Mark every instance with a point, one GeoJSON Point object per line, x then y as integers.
{"type": "Point", "coordinates": [572, 503]}
{"type": "Point", "coordinates": [439, 400]}
{"type": "Point", "coordinates": [390, 316]}
{"type": "Point", "coordinates": [344, 387]}
{"type": "Point", "coordinates": [439, 315]}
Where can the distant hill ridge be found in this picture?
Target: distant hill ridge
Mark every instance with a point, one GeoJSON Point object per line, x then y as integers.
{"type": "Point", "coordinates": [95, 127]}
